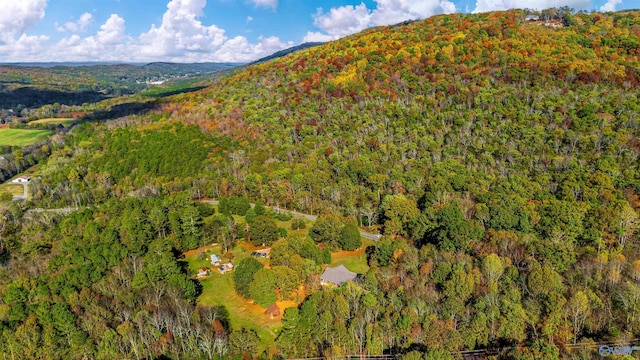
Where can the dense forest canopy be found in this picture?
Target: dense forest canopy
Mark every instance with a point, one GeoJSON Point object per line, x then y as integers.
{"type": "Point", "coordinates": [498, 156]}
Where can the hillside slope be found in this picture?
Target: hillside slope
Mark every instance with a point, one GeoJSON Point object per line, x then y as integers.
{"type": "Point", "coordinates": [486, 94]}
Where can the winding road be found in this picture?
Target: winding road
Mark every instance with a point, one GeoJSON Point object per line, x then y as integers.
{"type": "Point", "coordinates": [364, 234]}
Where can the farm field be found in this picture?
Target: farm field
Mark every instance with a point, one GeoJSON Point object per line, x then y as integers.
{"type": "Point", "coordinates": [54, 121]}
{"type": "Point", "coordinates": [21, 137]}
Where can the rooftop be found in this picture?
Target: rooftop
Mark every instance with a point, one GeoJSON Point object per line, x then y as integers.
{"type": "Point", "coordinates": [337, 275]}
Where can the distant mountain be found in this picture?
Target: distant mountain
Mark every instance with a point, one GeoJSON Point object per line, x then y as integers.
{"type": "Point", "coordinates": [205, 66]}
{"type": "Point", "coordinates": [37, 84]}
{"type": "Point", "coordinates": [68, 64]}
{"type": "Point", "coordinates": [286, 52]}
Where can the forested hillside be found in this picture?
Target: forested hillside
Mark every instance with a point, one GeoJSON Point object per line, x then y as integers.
{"type": "Point", "coordinates": [498, 156]}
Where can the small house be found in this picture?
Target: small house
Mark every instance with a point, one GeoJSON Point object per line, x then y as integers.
{"type": "Point", "coordinates": [204, 271]}
{"type": "Point", "coordinates": [273, 310]}
{"type": "Point", "coordinates": [215, 260]}
{"type": "Point", "coordinates": [226, 267]}
{"type": "Point", "coordinates": [337, 276]}
{"type": "Point", "coordinates": [21, 180]}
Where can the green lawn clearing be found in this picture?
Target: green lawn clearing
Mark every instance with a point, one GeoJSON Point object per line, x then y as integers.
{"type": "Point", "coordinates": [355, 261]}
{"type": "Point", "coordinates": [22, 137]}
{"type": "Point", "coordinates": [15, 190]}
{"type": "Point", "coordinates": [218, 289]}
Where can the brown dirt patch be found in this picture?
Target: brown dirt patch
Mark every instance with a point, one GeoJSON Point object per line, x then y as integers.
{"type": "Point", "coordinates": [194, 252]}
{"type": "Point", "coordinates": [344, 253]}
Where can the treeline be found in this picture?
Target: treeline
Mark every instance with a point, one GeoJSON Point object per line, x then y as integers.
{"type": "Point", "coordinates": [14, 160]}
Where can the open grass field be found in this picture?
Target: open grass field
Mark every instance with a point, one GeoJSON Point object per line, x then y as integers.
{"type": "Point", "coordinates": [55, 121]}
{"type": "Point", "coordinates": [21, 137]}
{"type": "Point", "coordinates": [218, 290]}
{"type": "Point", "coordinates": [15, 190]}
{"type": "Point", "coordinates": [355, 261]}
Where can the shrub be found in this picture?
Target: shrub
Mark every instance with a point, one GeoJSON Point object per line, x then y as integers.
{"type": "Point", "coordinates": [298, 223]}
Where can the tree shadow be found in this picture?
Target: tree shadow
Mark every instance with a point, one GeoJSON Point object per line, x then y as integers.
{"type": "Point", "coordinates": [122, 110]}
{"type": "Point", "coordinates": [30, 97]}
{"type": "Point", "coordinates": [171, 92]}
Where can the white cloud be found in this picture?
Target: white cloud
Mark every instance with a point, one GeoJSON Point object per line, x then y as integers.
{"type": "Point", "coordinates": [80, 25]}
{"type": "Point", "coordinates": [390, 12]}
{"type": "Point", "coordinates": [249, 19]}
{"type": "Point", "coordinates": [181, 31]}
{"type": "Point", "coordinates": [273, 4]}
{"type": "Point", "coordinates": [180, 37]}
{"type": "Point", "coordinates": [343, 20]}
{"type": "Point", "coordinates": [495, 5]}
{"type": "Point", "coordinates": [27, 46]}
{"type": "Point", "coordinates": [17, 16]}
{"type": "Point", "coordinates": [314, 36]}
{"type": "Point", "coordinates": [112, 32]}
{"type": "Point", "coordinates": [346, 20]}
{"type": "Point", "coordinates": [610, 5]}
{"type": "Point", "coordinates": [110, 43]}
{"type": "Point", "coordinates": [239, 49]}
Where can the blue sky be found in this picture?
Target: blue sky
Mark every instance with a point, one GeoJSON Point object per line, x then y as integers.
{"type": "Point", "coordinates": [212, 30]}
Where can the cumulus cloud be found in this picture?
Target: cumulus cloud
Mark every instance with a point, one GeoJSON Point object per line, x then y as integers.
{"type": "Point", "coordinates": [24, 47]}
{"type": "Point", "coordinates": [110, 43]}
{"type": "Point", "coordinates": [180, 37]}
{"type": "Point", "coordinates": [112, 31]}
{"type": "Point", "coordinates": [496, 5]}
{"type": "Point", "coordinates": [610, 5]}
{"type": "Point", "coordinates": [17, 16]}
{"type": "Point", "coordinates": [80, 25]}
{"type": "Point", "coordinates": [345, 20]}
{"type": "Point", "coordinates": [390, 12]}
{"type": "Point", "coordinates": [181, 31]}
{"type": "Point", "coordinates": [315, 36]}
{"type": "Point", "coordinates": [273, 4]}
{"type": "Point", "coordinates": [239, 49]}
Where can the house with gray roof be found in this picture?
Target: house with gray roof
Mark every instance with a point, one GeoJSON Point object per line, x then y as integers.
{"type": "Point", "coordinates": [337, 276]}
